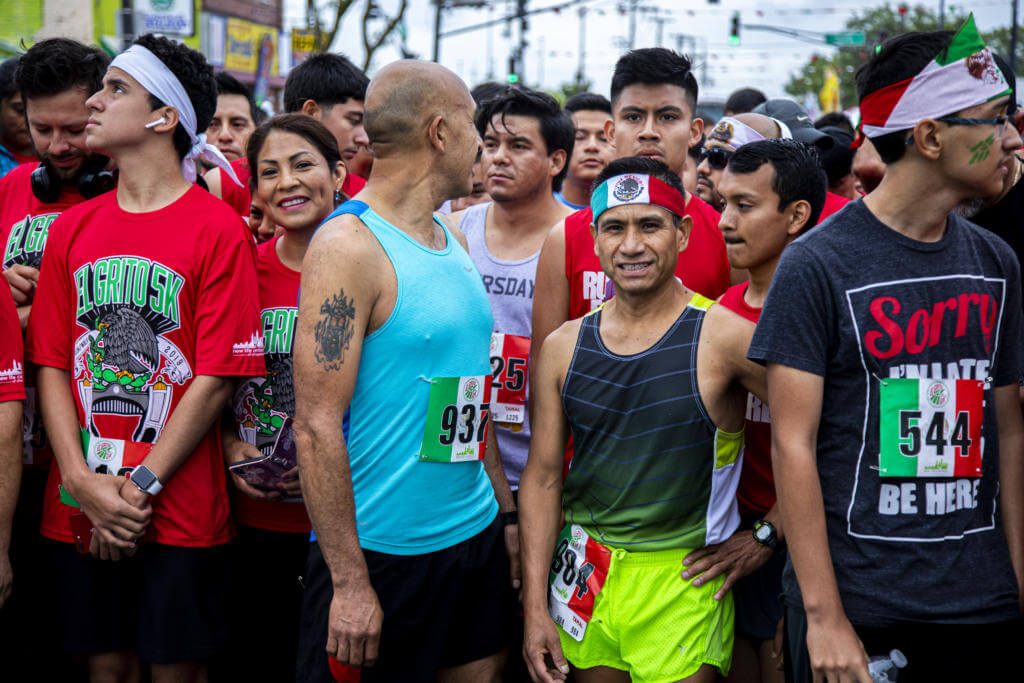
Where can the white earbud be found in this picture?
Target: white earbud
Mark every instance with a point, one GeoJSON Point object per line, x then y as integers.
{"type": "Point", "coordinates": [160, 120]}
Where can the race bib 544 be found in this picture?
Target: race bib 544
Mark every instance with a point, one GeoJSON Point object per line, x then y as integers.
{"type": "Point", "coordinates": [930, 427]}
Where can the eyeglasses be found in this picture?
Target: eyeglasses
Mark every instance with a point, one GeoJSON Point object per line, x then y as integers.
{"type": "Point", "coordinates": [999, 121]}
{"type": "Point", "coordinates": [716, 157]}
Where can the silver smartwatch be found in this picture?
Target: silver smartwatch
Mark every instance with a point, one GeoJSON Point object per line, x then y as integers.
{"type": "Point", "coordinates": [146, 481]}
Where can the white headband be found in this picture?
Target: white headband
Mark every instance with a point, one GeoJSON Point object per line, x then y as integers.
{"type": "Point", "coordinates": [734, 133]}
{"type": "Point", "coordinates": [159, 81]}
{"type": "Point", "coordinates": [785, 132]}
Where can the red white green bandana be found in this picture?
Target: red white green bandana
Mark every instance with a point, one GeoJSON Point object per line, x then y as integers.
{"type": "Point", "coordinates": [963, 75]}
{"type": "Point", "coordinates": [636, 188]}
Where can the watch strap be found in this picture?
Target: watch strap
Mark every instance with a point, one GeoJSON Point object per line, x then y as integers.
{"type": "Point", "coordinates": [509, 518]}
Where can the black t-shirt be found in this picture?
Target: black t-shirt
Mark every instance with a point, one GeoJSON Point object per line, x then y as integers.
{"type": "Point", "coordinates": [1006, 218]}
{"type": "Point", "coordinates": [875, 312]}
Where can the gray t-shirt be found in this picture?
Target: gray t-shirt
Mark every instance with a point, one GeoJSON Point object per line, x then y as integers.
{"type": "Point", "coordinates": [509, 286]}
{"type": "Point", "coordinates": [858, 303]}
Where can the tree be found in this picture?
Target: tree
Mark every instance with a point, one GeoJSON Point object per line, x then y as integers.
{"type": "Point", "coordinates": [879, 25]}
{"type": "Point", "coordinates": [324, 32]}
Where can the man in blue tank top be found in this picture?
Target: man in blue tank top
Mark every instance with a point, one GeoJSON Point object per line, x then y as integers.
{"type": "Point", "coordinates": [409, 576]}
{"type": "Point", "coordinates": [652, 387]}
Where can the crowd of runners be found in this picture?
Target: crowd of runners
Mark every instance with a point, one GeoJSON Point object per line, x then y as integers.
{"type": "Point", "coordinates": [508, 390]}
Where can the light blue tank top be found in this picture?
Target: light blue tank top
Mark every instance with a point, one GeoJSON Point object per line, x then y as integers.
{"type": "Point", "coordinates": [440, 327]}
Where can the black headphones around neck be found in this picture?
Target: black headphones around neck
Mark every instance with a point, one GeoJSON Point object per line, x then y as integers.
{"type": "Point", "coordinates": [93, 180]}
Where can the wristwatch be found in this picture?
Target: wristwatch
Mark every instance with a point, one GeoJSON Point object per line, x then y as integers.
{"type": "Point", "coordinates": [765, 534]}
{"type": "Point", "coordinates": [509, 518]}
{"type": "Point", "coordinates": [146, 481]}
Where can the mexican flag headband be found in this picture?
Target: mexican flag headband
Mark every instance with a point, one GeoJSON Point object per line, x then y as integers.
{"type": "Point", "coordinates": [963, 75]}
{"type": "Point", "coordinates": [636, 188]}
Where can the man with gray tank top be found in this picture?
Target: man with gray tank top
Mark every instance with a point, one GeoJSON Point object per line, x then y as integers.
{"type": "Point", "coordinates": [394, 327]}
{"type": "Point", "coordinates": [527, 142]}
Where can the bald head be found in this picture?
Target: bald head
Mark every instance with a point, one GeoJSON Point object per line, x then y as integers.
{"type": "Point", "coordinates": [764, 125]}
{"type": "Point", "coordinates": [404, 97]}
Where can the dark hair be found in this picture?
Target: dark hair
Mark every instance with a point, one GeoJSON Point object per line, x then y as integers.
{"type": "Point", "coordinates": [744, 100]}
{"type": "Point", "coordinates": [798, 172]}
{"type": "Point", "coordinates": [838, 161]}
{"type": "Point", "coordinates": [7, 82]}
{"type": "Point", "coordinates": [555, 125]}
{"type": "Point", "coordinates": [325, 78]}
{"type": "Point", "coordinates": [196, 76]}
{"type": "Point", "coordinates": [901, 58]}
{"type": "Point", "coordinates": [229, 85]}
{"type": "Point", "coordinates": [485, 91]}
{"type": "Point", "coordinates": [55, 65]}
{"type": "Point", "coordinates": [588, 101]}
{"type": "Point", "coordinates": [644, 165]}
{"type": "Point", "coordinates": [835, 119]}
{"type": "Point", "coordinates": [299, 124]}
{"type": "Point", "coordinates": [655, 66]}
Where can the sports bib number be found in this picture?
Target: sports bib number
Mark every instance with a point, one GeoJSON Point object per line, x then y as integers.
{"type": "Point", "coordinates": [510, 355]}
{"type": "Point", "coordinates": [930, 427]}
{"type": "Point", "coordinates": [578, 572]}
{"type": "Point", "coordinates": [457, 415]}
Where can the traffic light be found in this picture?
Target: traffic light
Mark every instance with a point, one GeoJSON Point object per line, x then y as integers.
{"type": "Point", "coordinates": [734, 29]}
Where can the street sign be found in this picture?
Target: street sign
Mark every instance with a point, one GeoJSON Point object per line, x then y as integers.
{"type": "Point", "coordinates": [853, 38]}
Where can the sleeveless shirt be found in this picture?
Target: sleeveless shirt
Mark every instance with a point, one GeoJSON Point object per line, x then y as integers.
{"type": "Point", "coordinates": [440, 327]}
{"type": "Point", "coordinates": [509, 286]}
{"type": "Point", "coordinates": [651, 471]}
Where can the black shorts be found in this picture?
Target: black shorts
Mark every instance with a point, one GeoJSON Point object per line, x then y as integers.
{"type": "Point", "coordinates": [167, 604]}
{"type": "Point", "coordinates": [934, 652]}
{"type": "Point", "coordinates": [758, 599]}
{"type": "Point", "coordinates": [264, 598]}
{"type": "Point", "coordinates": [441, 610]}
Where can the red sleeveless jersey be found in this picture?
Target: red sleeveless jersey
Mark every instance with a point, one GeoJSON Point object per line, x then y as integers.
{"type": "Point", "coordinates": [756, 493]}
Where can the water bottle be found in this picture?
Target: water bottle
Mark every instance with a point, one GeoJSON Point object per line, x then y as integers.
{"type": "Point", "coordinates": [885, 669]}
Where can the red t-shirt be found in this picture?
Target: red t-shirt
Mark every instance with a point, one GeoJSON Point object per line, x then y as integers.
{"type": "Point", "coordinates": [239, 197]}
{"type": "Point", "coordinates": [24, 225]}
{"type": "Point", "coordinates": [12, 376]}
{"type": "Point", "coordinates": [262, 403]}
{"type": "Point", "coordinates": [756, 493]}
{"type": "Point", "coordinates": [833, 203]}
{"type": "Point", "coordinates": [703, 266]}
{"type": "Point", "coordinates": [133, 306]}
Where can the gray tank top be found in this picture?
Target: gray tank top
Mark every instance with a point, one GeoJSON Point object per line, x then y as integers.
{"type": "Point", "coordinates": [509, 286]}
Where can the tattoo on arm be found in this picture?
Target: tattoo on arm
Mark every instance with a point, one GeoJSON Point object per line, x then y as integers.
{"type": "Point", "coordinates": [334, 330]}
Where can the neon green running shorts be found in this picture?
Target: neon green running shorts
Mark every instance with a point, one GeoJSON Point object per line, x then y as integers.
{"type": "Point", "coordinates": [650, 622]}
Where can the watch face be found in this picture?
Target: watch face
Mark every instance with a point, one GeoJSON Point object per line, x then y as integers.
{"type": "Point", "coordinates": [763, 533]}
{"type": "Point", "coordinates": [143, 477]}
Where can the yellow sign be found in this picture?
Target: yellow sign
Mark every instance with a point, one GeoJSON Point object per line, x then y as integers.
{"type": "Point", "coordinates": [303, 40]}
{"type": "Point", "coordinates": [245, 41]}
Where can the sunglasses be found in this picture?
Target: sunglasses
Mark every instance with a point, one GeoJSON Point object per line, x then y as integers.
{"type": "Point", "coordinates": [716, 157]}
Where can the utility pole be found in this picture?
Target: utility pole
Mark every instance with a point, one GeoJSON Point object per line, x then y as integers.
{"type": "Point", "coordinates": [942, 14]}
{"type": "Point", "coordinates": [659, 31]}
{"type": "Point", "coordinates": [632, 23]}
{"type": "Point", "coordinates": [438, 4]}
{"type": "Point", "coordinates": [1013, 39]}
{"type": "Point", "coordinates": [583, 44]}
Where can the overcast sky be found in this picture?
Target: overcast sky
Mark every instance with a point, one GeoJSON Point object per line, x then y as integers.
{"type": "Point", "coordinates": [764, 60]}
